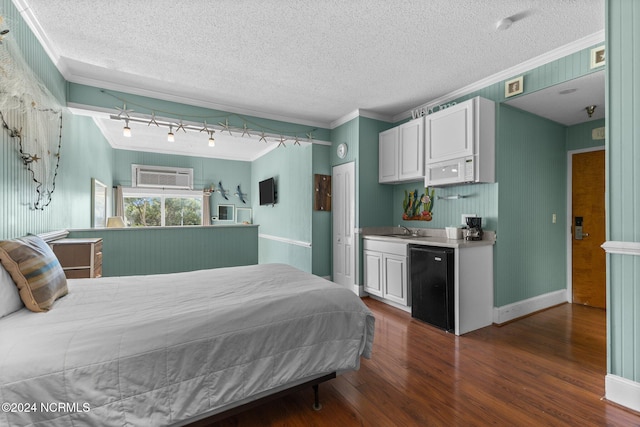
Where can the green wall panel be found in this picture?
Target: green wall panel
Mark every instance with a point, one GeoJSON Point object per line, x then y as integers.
{"type": "Point", "coordinates": [97, 97]}
{"type": "Point", "coordinates": [623, 191]}
{"type": "Point", "coordinates": [271, 251]}
{"type": "Point", "coordinates": [579, 136]}
{"type": "Point", "coordinates": [138, 251]}
{"type": "Point", "coordinates": [373, 198]}
{"type": "Point", "coordinates": [291, 217]}
{"type": "Point", "coordinates": [85, 154]}
{"type": "Point", "coordinates": [321, 220]}
{"type": "Point", "coordinates": [531, 250]}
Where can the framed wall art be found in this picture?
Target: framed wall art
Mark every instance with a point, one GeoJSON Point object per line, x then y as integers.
{"type": "Point", "coordinates": [98, 204]}
{"type": "Point", "coordinates": [513, 87]}
{"type": "Point", "coordinates": [597, 56]}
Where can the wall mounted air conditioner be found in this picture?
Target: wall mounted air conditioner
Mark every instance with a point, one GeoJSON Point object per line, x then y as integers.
{"type": "Point", "coordinates": [161, 177]}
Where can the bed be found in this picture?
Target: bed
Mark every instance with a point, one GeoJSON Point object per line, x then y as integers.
{"type": "Point", "coordinates": [171, 349]}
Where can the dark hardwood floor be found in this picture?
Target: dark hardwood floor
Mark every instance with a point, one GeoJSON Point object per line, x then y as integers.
{"type": "Point", "coordinates": [546, 369]}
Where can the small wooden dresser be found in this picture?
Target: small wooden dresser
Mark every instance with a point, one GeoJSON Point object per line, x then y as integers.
{"type": "Point", "coordinates": [80, 258]}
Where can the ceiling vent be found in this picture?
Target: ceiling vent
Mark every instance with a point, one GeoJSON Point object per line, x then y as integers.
{"type": "Point", "coordinates": [161, 177]}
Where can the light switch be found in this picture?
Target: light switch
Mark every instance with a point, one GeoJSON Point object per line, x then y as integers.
{"type": "Point", "coordinates": [553, 218]}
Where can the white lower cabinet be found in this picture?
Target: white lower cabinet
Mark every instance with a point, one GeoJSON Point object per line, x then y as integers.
{"type": "Point", "coordinates": [385, 270]}
{"type": "Point", "coordinates": [373, 272]}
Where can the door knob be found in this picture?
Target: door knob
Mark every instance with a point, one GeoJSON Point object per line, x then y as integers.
{"type": "Point", "coordinates": [585, 234]}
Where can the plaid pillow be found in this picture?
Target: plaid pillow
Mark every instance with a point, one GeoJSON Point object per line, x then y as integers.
{"type": "Point", "coordinates": [35, 270]}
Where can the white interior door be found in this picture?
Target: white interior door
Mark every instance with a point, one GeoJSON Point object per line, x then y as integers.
{"type": "Point", "coordinates": [344, 214]}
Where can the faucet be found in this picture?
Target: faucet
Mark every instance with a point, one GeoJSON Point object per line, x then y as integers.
{"type": "Point", "coordinates": [407, 231]}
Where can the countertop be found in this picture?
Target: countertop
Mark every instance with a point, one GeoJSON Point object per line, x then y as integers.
{"type": "Point", "coordinates": [427, 237]}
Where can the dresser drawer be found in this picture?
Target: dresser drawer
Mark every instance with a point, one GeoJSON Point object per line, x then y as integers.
{"type": "Point", "coordinates": [80, 258]}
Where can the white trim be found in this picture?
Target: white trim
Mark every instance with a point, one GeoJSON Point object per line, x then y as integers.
{"type": "Point", "coordinates": [569, 219]}
{"type": "Point", "coordinates": [55, 235]}
{"type": "Point", "coordinates": [538, 61]}
{"type": "Point", "coordinates": [60, 64]}
{"type": "Point", "coordinates": [188, 100]}
{"type": "Point", "coordinates": [622, 248]}
{"type": "Point", "coordinates": [285, 240]}
{"type": "Point", "coordinates": [518, 309]}
{"type": "Point", "coordinates": [622, 391]}
{"type": "Point", "coordinates": [38, 31]}
{"type": "Point", "coordinates": [359, 113]}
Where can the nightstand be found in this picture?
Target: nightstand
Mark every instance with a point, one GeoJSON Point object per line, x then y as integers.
{"type": "Point", "coordinates": [80, 258]}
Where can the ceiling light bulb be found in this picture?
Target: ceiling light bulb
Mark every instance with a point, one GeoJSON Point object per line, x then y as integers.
{"type": "Point", "coordinates": [170, 136]}
{"type": "Point", "coordinates": [504, 24]}
{"type": "Point", "coordinates": [212, 142]}
{"type": "Point", "coordinates": [126, 131]}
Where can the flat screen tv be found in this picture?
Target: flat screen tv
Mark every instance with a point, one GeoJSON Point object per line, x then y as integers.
{"type": "Point", "coordinates": [267, 192]}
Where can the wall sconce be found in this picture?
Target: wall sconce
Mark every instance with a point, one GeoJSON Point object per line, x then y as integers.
{"type": "Point", "coordinates": [212, 142]}
{"type": "Point", "coordinates": [170, 136]}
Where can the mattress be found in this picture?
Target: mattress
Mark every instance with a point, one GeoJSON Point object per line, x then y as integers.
{"type": "Point", "coordinates": [160, 349]}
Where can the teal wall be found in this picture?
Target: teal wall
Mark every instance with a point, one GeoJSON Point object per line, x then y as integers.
{"type": "Point", "coordinates": [532, 171]}
{"type": "Point", "coordinates": [85, 154]}
{"type": "Point", "coordinates": [138, 251]}
{"type": "Point", "coordinates": [623, 191]}
{"type": "Point", "coordinates": [480, 199]}
{"type": "Point", "coordinates": [291, 217]}
{"type": "Point", "coordinates": [374, 199]}
{"type": "Point", "coordinates": [579, 136]}
{"type": "Point", "coordinates": [321, 220]}
{"type": "Point", "coordinates": [107, 99]}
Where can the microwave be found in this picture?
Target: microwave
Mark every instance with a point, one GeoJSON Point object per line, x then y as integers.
{"type": "Point", "coordinates": [454, 171]}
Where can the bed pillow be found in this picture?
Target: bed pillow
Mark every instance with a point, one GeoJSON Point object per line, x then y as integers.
{"type": "Point", "coordinates": [35, 270]}
{"type": "Point", "coordinates": [9, 297]}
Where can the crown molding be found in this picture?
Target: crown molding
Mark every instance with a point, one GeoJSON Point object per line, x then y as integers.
{"type": "Point", "coordinates": [37, 30]}
{"type": "Point", "coordinates": [530, 64]}
{"type": "Point", "coordinates": [188, 100]}
{"type": "Point", "coordinates": [359, 113]}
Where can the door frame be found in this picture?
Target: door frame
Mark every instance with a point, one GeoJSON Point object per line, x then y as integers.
{"type": "Point", "coordinates": [569, 235]}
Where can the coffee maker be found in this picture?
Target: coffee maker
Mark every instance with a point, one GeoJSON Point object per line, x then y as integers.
{"type": "Point", "coordinates": [474, 230]}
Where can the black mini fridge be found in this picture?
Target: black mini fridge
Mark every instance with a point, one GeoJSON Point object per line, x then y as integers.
{"type": "Point", "coordinates": [431, 280]}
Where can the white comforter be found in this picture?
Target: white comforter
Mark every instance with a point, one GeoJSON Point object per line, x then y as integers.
{"type": "Point", "coordinates": [156, 350]}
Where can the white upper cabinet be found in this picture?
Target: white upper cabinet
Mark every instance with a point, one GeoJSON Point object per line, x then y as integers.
{"type": "Point", "coordinates": [388, 152]}
{"type": "Point", "coordinates": [401, 151]}
{"type": "Point", "coordinates": [460, 143]}
{"type": "Point", "coordinates": [449, 133]}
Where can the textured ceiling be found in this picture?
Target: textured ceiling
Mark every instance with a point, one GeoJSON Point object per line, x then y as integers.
{"type": "Point", "coordinates": [305, 61]}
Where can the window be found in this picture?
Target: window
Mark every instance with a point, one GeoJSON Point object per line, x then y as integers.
{"type": "Point", "coordinates": [158, 208]}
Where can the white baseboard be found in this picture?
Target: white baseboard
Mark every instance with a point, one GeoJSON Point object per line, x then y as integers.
{"type": "Point", "coordinates": [622, 391]}
{"type": "Point", "coordinates": [510, 312]}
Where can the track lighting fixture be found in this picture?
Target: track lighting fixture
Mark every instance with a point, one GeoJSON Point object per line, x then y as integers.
{"type": "Point", "coordinates": [191, 127]}
{"type": "Point", "coordinates": [126, 131]}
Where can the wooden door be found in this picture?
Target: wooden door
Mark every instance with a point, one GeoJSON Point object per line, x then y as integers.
{"type": "Point", "coordinates": [588, 258]}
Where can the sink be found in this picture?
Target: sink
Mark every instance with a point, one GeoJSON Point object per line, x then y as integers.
{"type": "Point", "coordinates": [403, 236]}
